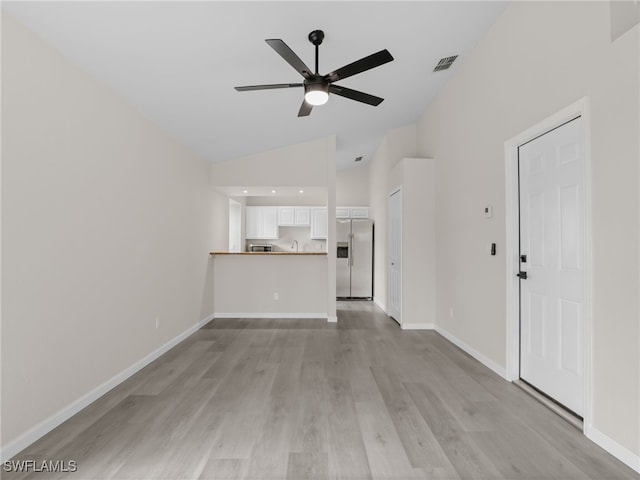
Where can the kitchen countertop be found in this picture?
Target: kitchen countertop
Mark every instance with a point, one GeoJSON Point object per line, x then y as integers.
{"type": "Point", "coordinates": [266, 253]}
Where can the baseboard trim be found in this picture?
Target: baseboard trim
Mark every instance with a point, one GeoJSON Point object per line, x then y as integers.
{"type": "Point", "coordinates": [269, 315]}
{"type": "Point", "coordinates": [622, 453]}
{"type": "Point", "coordinates": [417, 326]}
{"type": "Point", "coordinates": [23, 441]}
{"type": "Point", "coordinates": [380, 305]}
{"type": "Point", "coordinates": [332, 319]}
{"type": "Point", "coordinates": [486, 361]}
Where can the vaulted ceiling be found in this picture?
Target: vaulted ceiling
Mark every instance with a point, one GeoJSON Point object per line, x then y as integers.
{"type": "Point", "coordinates": [177, 63]}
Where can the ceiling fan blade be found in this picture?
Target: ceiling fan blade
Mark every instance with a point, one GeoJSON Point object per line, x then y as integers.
{"type": "Point", "coordinates": [367, 63]}
{"type": "Point", "coordinates": [305, 109]}
{"type": "Point", "coordinates": [267, 87]}
{"type": "Point", "coordinates": [356, 95]}
{"type": "Point", "coordinates": [290, 57]}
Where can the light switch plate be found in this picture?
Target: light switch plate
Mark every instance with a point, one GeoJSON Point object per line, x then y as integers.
{"type": "Point", "coordinates": [488, 211]}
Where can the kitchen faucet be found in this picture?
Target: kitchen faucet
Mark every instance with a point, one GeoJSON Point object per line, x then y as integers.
{"type": "Point", "coordinates": [295, 242]}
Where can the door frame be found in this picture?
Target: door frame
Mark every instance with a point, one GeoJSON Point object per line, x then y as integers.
{"type": "Point", "coordinates": [512, 247]}
{"type": "Point", "coordinates": [391, 193]}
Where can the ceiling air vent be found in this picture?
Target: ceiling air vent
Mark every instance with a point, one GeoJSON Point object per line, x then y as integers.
{"type": "Point", "coordinates": [358, 159]}
{"type": "Point", "coordinates": [445, 63]}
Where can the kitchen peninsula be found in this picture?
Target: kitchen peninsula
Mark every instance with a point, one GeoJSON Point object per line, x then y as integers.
{"type": "Point", "coordinates": [270, 284]}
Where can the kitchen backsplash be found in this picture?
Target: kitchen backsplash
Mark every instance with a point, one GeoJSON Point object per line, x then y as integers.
{"type": "Point", "coordinates": [288, 235]}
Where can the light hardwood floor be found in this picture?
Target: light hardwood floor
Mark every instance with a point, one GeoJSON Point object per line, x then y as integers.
{"type": "Point", "coordinates": [305, 399]}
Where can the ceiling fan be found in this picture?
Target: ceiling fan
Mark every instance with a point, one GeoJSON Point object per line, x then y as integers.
{"type": "Point", "coordinates": [317, 87]}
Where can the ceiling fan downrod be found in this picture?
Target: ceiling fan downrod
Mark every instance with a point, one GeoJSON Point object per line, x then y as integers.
{"type": "Point", "coordinates": [316, 38]}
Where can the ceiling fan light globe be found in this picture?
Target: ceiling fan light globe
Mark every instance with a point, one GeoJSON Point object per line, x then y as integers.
{"type": "Point", "coordinates": [316, 97]}
{"type": "Point", "coordinates": [316, 92]}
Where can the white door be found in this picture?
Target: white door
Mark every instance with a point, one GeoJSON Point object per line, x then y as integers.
{"type": "Point", "coordinates": [552, 249]}
{"type": "Point", "coordinates": [395, 256]}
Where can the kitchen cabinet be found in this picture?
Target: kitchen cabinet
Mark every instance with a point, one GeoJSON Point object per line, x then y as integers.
{"type": "Point", "coordinates": [286, 216]}
{"type": "Point", "coordinates": [359, 212]}
{"type": "Point", "coordinates": [319, 228]}
{"type": "Point", "coordinates": [294, 216]}
{"type": "Point", "coordinates": [302, 216]}
{"type": "Point", "coordinates": [262, 223]}
{"type": "Point", "coordinates": [352, 212]}
{"type": "Point", "coordinates": [342, 212]}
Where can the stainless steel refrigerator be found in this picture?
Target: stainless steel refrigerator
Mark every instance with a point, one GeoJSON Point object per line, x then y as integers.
{"type": "Point", "coordinates": [354, 263]}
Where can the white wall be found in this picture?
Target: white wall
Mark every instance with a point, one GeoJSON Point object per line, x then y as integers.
{"type": "Point", "coordinates": [236, 219]}
{"type": "Point", "coordinates": [538, 58]}
{"type": "Point", "coordinates": [107, 223]}
{"type": "Point", "coordinates": [396, 144]}
{"type": "Point", "coordinates": [352, 186]}
{"type": "Point", "coordinates": [303, 164]}
{"type": "Point", "coordinates": [220, 219]}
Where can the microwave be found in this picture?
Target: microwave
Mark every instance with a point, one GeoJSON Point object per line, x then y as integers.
{"type": "Point", "coordinates": [264, 247]}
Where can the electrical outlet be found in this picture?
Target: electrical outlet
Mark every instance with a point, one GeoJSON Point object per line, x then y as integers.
{"type": "Point", "coordinates": [276, 296]}
{"type": "Point", "coordinates": [450, 312]}
{"type": "Point", "coordinates": [157, 322]}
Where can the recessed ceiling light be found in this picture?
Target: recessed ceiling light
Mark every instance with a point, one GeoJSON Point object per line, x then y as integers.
{"type": "Point", "coordinates": [273, 191]}
{"type": "Point", "coordinates": [301, 191]}
{"type": "Point", "coordinates": [245, 191]}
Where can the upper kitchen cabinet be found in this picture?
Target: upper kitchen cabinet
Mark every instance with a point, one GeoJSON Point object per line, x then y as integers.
{"type": "Point", "coordinates": [342, 212]}
{"type": "Point", "coordinates": [294, 216]}
{"type": "Point", "coordinates": [262, 223]}
{"type": "Point", "coordinates": [319, 228]}
{"type": "Point", "coordinates": [286, 216]}
{"type": "Point", "coordinates": [359, 212]}
{"type": "Point", "coordinates": [352, 212]}
{"type": "Point", "coordinates": [302, 216]}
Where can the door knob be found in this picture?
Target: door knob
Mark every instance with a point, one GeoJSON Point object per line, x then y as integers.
{"type": "Point", "coordinates": [522, 275]}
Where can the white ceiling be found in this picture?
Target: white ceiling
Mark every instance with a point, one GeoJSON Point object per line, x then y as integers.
{"type": "Point", "coordinates": [177, 62]}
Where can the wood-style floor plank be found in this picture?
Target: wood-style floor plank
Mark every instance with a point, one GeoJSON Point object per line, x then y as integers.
{"type": "Point", "coordinates": [307, 466]}
{"type": "Point", "coordinates": [289, 399]}
{"type": "Point", "coordinates": [418, 441]}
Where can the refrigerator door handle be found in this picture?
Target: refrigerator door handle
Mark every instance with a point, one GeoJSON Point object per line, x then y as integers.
{"type": "Point", "coordinates": [351, 249]}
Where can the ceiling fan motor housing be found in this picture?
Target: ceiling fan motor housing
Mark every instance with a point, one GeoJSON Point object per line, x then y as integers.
{"type": "Point", "coordinates": [316, 37]}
